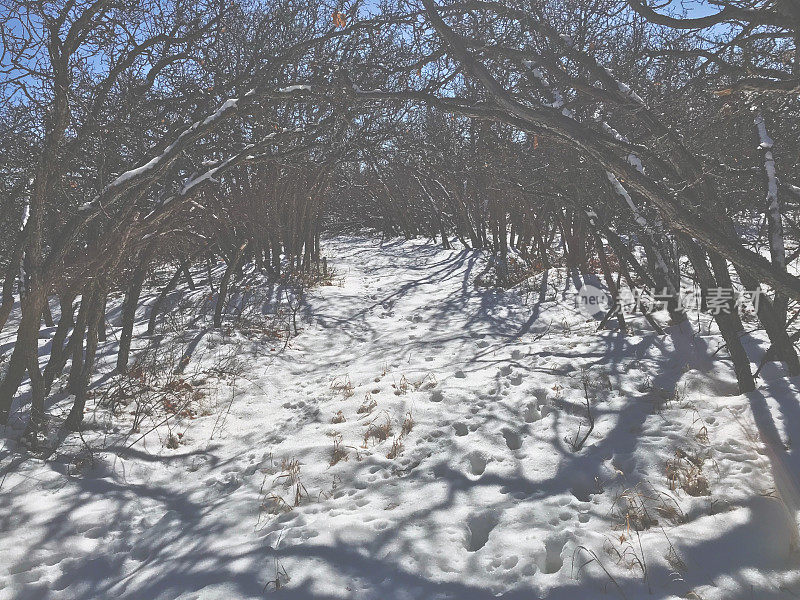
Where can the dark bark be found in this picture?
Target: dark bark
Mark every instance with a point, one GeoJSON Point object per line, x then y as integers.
{"type": "Point", "coordinates": [131, 301]}
{"type": "Point", "coordinates": [223, 285]}
{"type": "Point", "coordinates": [59, 354]}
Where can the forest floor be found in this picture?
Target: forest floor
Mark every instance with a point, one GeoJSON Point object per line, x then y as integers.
{"type": "Point", "coordinates": [415, 440]}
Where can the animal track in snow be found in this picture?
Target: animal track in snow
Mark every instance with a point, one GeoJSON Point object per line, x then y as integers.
{"type": "Point", "coordinates": [550, 561]}
{"type": "Point", "coordinates": [513, 439]}
{"type": "Point", "coordinates": [478, 529]}
{"type": "Point", "coordinates": [477, 462]}
{"type": "Point", "coordinates": [531, 413]}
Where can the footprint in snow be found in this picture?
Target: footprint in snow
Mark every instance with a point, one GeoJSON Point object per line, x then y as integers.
{"type": "Point", "coordinates": [531, 412]}
{"type": "Point", "coordinates": [477, 462]}
{"type": "Point", "coordinates": [513, 439]}
{"type": "Point", "coordinates": [478, 529]}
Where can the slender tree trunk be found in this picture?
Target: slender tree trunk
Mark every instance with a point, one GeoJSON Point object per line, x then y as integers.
{"type": "Point", "coordinates": [726, 323]}
{"type": "Point", "coordinates": [75, 417]}
{"type": "Point", "coordinates": [132, 295]}
{"type": "Point", "coordinates": [223, 286]}
{"type": "Point", "coordinates": [59, 354]}
{"type": "Point", "coordinates": [25, 353]}
{"type": "Point", "coordinates": [76, 341]}
{"type": "Point", "coordinates": [101, 326]}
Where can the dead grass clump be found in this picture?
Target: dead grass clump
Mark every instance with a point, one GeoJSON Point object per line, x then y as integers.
{"type": "Point", "coordinates": [402, 387]}
{"type": "Point", "coordinates": [343, 386]}
{"type": "Point", "coordinates": [368, 405]}
{"type": "Point", "coordinates": [408, 424]}
{"type": "Point", "coordinates": [339, 452]}
{"type": "Point", "coordinates": [397, 443]}
{"type": "Point", "coordinates": [396, 449]}
{"type": "Point", "coordinates": [378, 432]}
{"type": "Point", "coordinates": [338, 417]}
{"type": "Point", "coordinates": [685, 472]}
{"type": "Point", "coordinates": [641, 507]}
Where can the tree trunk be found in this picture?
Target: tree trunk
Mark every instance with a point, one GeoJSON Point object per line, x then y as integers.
{"type": "Point", "coordinates": [223, 285]}
{"type": "Point", "coordinates": [59, 354]}
{"type": "Point", "coordinates": [75, 417]}
{"type": "Point", "coordinates": [129, 305]}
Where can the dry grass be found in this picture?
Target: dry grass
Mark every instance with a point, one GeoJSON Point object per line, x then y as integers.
{"type": "Point", "coordinates": [397, 443]}
{"type": "Point", "coordinates": [289, 478]}
{"type": "Point", "coordinates": [641, 507]}
{"type": "Point", "coordinates": [368, 405]}
{"type": "Point", "coordinates": [377, 432]}
{"type": "Point", "coordinates": [685, 472]}
{"type": "Point", "coordinates": [339, 452]}
{"type": "Point", "coordinates": [408, 424]}
{"type": "Point", "coordinates": [403, 387]}
{"type": "Point", "coordinates": [342, 385]}
{"type": "Point", "coordinates": [396, 449]}
{"type": "Point", "coordinates": [338, 417]}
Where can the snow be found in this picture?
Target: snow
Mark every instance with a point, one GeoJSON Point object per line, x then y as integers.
{"type": "Point", "coordinates": [765, 141]}
{"type": "Point", "coordinates": [773, 207]}
{"type": "Point", "coordinates": [485, 498]}
{"type": "Point", "coordinates": [294, 88]}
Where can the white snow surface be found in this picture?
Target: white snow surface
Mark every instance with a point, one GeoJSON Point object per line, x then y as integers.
{"type": "Point", "coordinates": [485, 499]}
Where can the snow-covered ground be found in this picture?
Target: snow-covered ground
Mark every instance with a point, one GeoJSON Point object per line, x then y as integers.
{"type": "Point", "coordinates": [414, 441]}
